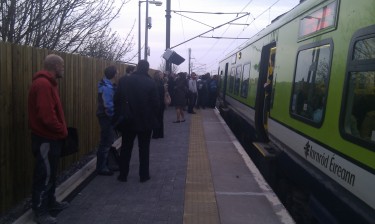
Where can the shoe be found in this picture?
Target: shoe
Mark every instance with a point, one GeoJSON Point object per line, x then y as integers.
{"type": "Point", "coordinates": [144, 179]}
{"type": "Point", "coordinates": [58, 206]}
{"type": "Point", "coordinates": [183, 120]}
{"type": "Point", "coordinates": [122, 178]}
{"type": "Point", "coordinates": [45, 219]}
{"type": "Point", "coordinates": [105, 173]}
{"type": "Point", "coordinates": [176, 121]}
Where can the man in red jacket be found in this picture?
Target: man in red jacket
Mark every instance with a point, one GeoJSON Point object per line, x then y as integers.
{"type": "Point", "coordinates": [48, 130]}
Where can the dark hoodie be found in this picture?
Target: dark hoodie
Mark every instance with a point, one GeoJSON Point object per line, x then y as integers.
{"type": "Point", "coordinates": [46, 115]}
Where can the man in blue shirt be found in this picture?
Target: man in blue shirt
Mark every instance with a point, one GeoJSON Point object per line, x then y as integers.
{"type": "Point", "coordinates": [105, 112]}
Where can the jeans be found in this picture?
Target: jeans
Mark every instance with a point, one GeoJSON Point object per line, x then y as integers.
{"type": "Point", "coordinates": [47, 155]}
{"type": "Point", "coordinates": [107, 136]}
{"type": "Point", "coordinates": [192, 101]}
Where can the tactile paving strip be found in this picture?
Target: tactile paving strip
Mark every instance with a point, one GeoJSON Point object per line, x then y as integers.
{"type": "Point", "coordinates": [200, 201]}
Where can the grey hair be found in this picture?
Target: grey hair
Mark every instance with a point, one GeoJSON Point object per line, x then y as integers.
{"type": "Point", "coordinates": [51, 61]}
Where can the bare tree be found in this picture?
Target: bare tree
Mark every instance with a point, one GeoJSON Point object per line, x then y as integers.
{"type": "Point", "coordinates": [108, 45]}
{"type": "Point", "coordinates": [61, 25]}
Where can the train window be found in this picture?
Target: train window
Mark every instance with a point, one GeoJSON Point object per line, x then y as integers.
{"type": "Point", "coordinates": [237, 80]}
{"type": "Point", "coordinates": [358, 121]}
{"type": "Point", "coordinates": [360, 113]}
{"type": "Point", "coordinates": [231, 79]}
{"type": "Point", "coordinates": [322, 19]}
{"type": "Point", "coordinates": [245, 80]}
{"type": "Point", "coordinates": [311, 83]}
{"type": "Point", "coordinates": [364, 49]}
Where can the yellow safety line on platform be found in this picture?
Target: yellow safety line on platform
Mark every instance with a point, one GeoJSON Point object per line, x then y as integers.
{"type": "Point", "coordinates": [200, 201]}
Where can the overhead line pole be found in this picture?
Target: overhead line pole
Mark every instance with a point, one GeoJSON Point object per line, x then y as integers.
{"type": "Point", "coordinates": [168, 65]}
{"type": "Point", "coordinates": [209, 30]}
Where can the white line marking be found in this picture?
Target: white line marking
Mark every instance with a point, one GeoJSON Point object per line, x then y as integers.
{"type": "Point", "coordinates": [279, 208]}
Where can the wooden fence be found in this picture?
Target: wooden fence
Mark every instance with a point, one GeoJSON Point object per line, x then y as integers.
{"type": "Point", "coordinates": [78, 92]}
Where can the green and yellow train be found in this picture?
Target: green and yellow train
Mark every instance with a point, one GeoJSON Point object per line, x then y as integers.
{"type": "Point", "coordinates": [305, 85]}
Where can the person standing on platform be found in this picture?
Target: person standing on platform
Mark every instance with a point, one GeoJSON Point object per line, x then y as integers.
{"type": "Point", "coordinates": [192, 95]}
{"type": "Point", "coordinates": [105, 112]}
{"type": "Point", "coordinates": [140, 91]}
{"type": "Point", "coordinates": [179, 96]}
{"type": "Point", "coordinates": [158, 131]}
{"type": "Point", "coordinates": [48, 131]}
{"type": "Point", "coordinates": [203, 91]}
{"type": "Point", "coordinates": [129, 70]}
{"type": "Point", "coordinates": [171, 84]}
{"type": "Point", "coordinates": [213, 91]}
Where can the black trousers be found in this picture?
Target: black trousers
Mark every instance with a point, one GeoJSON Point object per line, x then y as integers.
{"type": "Point", "coordinates": [144, 138]}
{"type": "Point", "coordinates": [158, 131]}
{"type": "Point", "coordinates": [47, 155]}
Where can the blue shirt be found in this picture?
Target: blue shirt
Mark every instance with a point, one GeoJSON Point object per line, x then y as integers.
{"type": "Point", "coordinates": [106, 91]}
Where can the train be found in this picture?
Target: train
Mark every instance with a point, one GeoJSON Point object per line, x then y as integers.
{"type": "Point", "coordinates": [300, 95]}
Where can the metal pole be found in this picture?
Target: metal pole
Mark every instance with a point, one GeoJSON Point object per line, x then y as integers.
{"type": "Point", "coordinates": [146, 31]}
{"type": "Point", "coordinates": [139, 31]}
{"type": "Point", "coordinates": [168, 33]}
{"type": "Point", "coordinates": [189, 61]}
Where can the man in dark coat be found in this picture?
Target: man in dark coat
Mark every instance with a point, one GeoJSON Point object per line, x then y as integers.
{"type": "Point", "coordinates": [140, 90]}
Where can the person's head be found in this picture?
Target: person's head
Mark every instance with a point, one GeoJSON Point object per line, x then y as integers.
{"type": "Point", "coordinates": [193, 75]}
{"type": "Point", "coordinates": [158, 74]}
{"type": "Point", "coordinates": [130, 69]}
{"type": "Point", "coordinates": [54, 64]}
{"type": "Point", "coordinates": [110, 72]}
{"type": "Point", "coordinates": [182, 75]}
{"type": "Point", "coordinates": [143, 66]}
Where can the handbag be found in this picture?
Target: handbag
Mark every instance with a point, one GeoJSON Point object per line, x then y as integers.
{"type": "Point", "coordinates": [70, 145]}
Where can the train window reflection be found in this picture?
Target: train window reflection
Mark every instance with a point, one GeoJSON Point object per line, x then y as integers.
{"type": "Point", "coordinates": [310, 83]}
{"type": "Point", "coordinates": [357, 122]}
{"type": "Point", "coordinates": [360, 113]}
{"type": "Point", "coordinates": [245, 80]}
{"type": "Point", "coordinates": [364, 49]}
{"type": "Point", "coordinates": [231, 80]}
{"type": "Point", "coordinates": [237, 80]}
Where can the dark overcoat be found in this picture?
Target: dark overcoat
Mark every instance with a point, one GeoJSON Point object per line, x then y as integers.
{"type": "Point", "coordinates": [141, 93]}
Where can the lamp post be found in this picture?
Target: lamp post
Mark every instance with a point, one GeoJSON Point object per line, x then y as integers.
{"type": "Point", "coordinates": [157, 3]}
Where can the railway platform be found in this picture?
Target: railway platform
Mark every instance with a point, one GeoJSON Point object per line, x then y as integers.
{"type": "Point", "coordinates": [199, 174]}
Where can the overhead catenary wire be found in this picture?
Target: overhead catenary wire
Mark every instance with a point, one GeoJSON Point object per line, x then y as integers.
{"type": "Point", "coordinates": [209, 30]}
{"type": "Point", "coordinates": [269, 8]}
{"type": "Point", "coordinates": [218, 13]}
{"type": "Point", "coordinates": [218, 39]}
{"type": "Point", "coordinates": [222, 35]}
{"type": "Point", "coordinates": [194, 20]}
{"type": "Point", "coordinates": [254, 19]}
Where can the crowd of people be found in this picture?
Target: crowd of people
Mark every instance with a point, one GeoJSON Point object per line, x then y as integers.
{"type": "Point", "coordinates": [189, 92]}
{"type": "Point", "coordinates": [134, 107]}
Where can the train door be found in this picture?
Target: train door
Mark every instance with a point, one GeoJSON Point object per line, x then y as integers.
{"type": "Point", "coordinates": [263, 98]}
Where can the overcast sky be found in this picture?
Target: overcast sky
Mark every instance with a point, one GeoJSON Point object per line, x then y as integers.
{"type": "Point", "coordinates": [205, 52]}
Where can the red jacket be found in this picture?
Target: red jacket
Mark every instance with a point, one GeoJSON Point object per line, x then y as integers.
{"type": "Point", "coordinates": [46, 115]}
